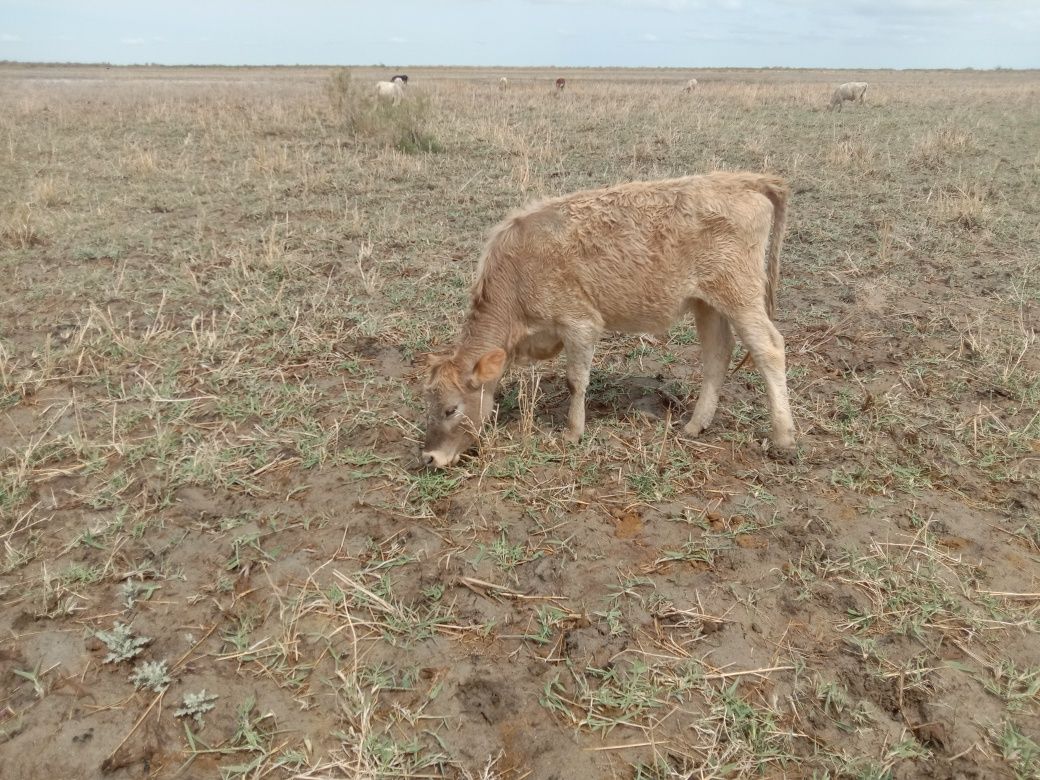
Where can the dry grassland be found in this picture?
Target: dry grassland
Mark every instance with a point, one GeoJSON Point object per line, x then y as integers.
{"type": "Point", "coordinates": [217, 557]}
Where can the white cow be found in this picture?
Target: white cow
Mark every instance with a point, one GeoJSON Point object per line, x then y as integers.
{"type": "Point", "coordinates": [390, 90]}
{"type": "Point", "coordinates": [503, 83]}
{"type": "Point", "coordinates": [851, 91]}
{"type": "Point", "coordinates": [691, 85]}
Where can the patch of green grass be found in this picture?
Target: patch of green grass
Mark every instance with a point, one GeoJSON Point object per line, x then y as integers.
{"type": "Point", "coordinates": [506, 555]}
{"type": "Point", "coordinates": [428, 487]}
{"type": "Point", "coordinates": [1020, 751]}
{"type": "Point", "coordinates": [1018, 688]}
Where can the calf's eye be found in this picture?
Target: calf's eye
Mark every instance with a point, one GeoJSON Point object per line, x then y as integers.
{"type": "Point", "coordinates": [450, 411]}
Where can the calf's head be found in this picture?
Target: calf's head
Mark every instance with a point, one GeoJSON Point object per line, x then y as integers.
{"type": "Point", "coordinates": [459, 397]}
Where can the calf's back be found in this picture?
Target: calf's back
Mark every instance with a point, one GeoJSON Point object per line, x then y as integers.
{"type": "Point", "coordinates": [631, 257]}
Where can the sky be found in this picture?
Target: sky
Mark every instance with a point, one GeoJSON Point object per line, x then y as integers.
{"type": "Point", "coordinates": [618, 33]}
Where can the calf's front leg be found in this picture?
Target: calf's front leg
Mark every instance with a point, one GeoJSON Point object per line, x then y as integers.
{"type": "Point", "coordinates": [580, 345]}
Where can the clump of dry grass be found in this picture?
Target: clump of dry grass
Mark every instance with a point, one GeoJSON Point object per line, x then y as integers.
{"type": "Point", "coordinates": [851, 154]}
{"type": "Point", "coordinates": [19, 229]}
{"type": "Point", "coordinates": [48, 192]}
{"type": "Point", "coordinates": [965, 205]}
{"type": "Point", "coordinates": [139, 161]}
{"type": "Point", "coordinates": [403, 127]}
{"type": "Point", "coordinates": [341, 91]}
{"type": "Point", "coordinates": [935, 148]}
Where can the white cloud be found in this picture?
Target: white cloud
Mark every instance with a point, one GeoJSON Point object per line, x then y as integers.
{"type": "Point", "coordinates": [649, 38]}
{"type": "Point", "coordinates": [397, 39]}
{"type": "Point", "coordinates": [8, 38]}
{"type": "Point", "coordinates": [661, 5]}
{"type": "Point", "coordinates": [667, 5]}
{"type": "Point", "coordinates": [132, 41]}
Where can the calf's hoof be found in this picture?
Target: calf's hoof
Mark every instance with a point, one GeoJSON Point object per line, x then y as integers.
{"type": "Point", "coordinates": [693, 429]}
{"type": "Point", "coordinates": [572, 436]}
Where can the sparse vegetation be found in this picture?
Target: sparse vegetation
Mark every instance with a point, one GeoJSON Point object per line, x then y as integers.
{"type": "Point", "coordinates": [153, 675]}
{"type": "Point", "coordinates": [121, 643]}
{"type": "Point", "coordinates": [218, 290]}
{"type": "Point", "coordinates": [195, 705]}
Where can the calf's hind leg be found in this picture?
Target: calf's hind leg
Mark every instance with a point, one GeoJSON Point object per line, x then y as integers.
{"type": "Point", "coordinates": [716, 347]}
{"type": "Point", "coordinates": [766, 345]}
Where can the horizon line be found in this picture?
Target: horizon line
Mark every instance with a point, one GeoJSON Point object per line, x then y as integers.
{"type": "Point", "coordinates": [107, 64]}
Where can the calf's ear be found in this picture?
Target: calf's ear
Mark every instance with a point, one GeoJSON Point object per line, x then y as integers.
{"type": "Point", "coordinates": [489, 367]}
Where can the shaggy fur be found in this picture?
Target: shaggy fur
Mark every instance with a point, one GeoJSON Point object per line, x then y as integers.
{"type": "Point", "coordinates": [633, 258]}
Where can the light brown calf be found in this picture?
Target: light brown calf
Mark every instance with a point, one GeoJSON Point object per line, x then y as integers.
{"type": "Point", "coordinates": [633, 258]}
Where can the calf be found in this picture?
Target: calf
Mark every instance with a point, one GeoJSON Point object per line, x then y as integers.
{"type": "Point", "coordinates": [503, 83]}
{"type": "Point", "coordinates": [851, 91]}
{"type": "Point", "coordinates": [560, 84]}
{"type": "Point", "coordinates": [691, 85]}
{"type": "Point", "coordinates": [400, 77]}
{"type": "Point", "coordinates": [632, 258]}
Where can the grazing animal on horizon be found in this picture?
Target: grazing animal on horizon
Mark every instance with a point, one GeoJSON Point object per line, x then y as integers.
{"type": "Point", "coordinates": [503, 83]}
{"type": "Point", "coordinates": [633, 258]}
{"type": "Point", "coordinates": [400, 77]}
{"type": "Point", "coordinates": [560, 84]}
{"type": "Point", "coordinates": [390, 90]}
{"type": "Point", "coordinates": [851, 91]}
{"type": "Point", "coordinates": [691, 85]}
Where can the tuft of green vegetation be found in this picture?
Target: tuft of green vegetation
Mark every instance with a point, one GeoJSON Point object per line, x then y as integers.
{"type": "Point", "coordinates": [153, 675]}
{"type": "Point", "coordinates": [121, 643]}
{"type": "Point", "coordinates": [195, 705]}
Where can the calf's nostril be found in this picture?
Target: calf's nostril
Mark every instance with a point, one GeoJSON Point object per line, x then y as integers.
{"type": "Point", "coordinates": [426, 458]}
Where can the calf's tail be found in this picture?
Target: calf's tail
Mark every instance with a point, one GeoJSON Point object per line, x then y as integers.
{"type": "Point", "coordinates": [774, 188]}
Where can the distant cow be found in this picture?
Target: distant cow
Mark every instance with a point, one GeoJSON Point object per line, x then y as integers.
{"type": "Point", "coordinates": [400, 77]}
{"type": "Point", "coordinates": [560, 84]}
{"type": "Point", "coordinates": [503, 83]}
{"type": "Point", "coordinates": [633, 258]}
{"type": "Point", "coordinates": [851, 91]}
{"type": "Point", "coordinates": [390, 90]}
{"type": "Point", "coordinates": [691, 85]}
